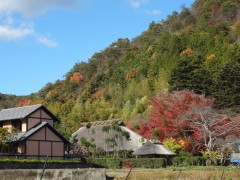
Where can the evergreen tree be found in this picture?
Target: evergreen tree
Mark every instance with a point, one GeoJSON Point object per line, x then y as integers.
{"type": "Point", "coordinates": [190, 74]}
{"type": "Point", "coordinates": [227, 86]}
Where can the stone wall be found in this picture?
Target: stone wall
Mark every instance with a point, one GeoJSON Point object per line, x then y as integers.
{"type": "Point", "coordinates": [50, 165]}
{"type": "Point", "coordinates": [53, 174]}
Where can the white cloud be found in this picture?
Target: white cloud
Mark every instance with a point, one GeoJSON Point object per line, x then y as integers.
{"type": "Point", "coordinates": [9, 33]}
{"type": "Point", "coordinates": [29, 8]}
{"type": "Point", "coordinates": [152, 12]}
{"type": "Point", "coordinates": [137, 3]}
{"type": "Point", "coordinates": [15, 27]}
{"type": "Point", "coordinates": [12, 30]}
{"type": "Point", "coordinates": [46, 41]}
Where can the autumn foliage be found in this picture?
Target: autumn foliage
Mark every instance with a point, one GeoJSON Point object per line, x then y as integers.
{"type": "Point", "coordinates": [23, 102]}
{"type": "Point", "coordinates": [189, 117]}
{"type": "Point", "coordinates": [77, 77]}
{"type": "Point", "coordinates": [132, 73]}
{"type": "Point", "coordinates": [187, 51]}
{"type": "Point", "coordinates": [99, 93]}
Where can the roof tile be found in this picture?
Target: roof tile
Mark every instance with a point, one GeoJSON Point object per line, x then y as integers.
{"type": "Point", "coordinates": [17, 113]}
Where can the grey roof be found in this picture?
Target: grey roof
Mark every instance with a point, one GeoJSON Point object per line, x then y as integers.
{"type": "Point", "coordinates": [151, 148]}
{"type": "Point", "coordinates": [24, 135]}
{"type": "Point", "coordinates": [17, 113]}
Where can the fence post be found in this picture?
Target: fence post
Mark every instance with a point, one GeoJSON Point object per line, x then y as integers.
{"type": "Point", "coordinates": [44, 168]}
{"type": "Point", "coordinates": [128, 173]}
{"type": "Point", "coordinates": [222, 175]}
{"type": "Point", "coordinates": [179, 175]}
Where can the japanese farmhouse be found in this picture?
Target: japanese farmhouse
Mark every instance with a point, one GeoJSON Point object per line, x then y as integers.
{"type": "Point", "coordinates": [34, 131]}
{"type": "Point", "coordinates": [96, 134]}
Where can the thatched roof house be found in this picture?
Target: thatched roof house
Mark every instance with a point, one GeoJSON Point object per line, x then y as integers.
{"type": "Point", "coordinates": [153, 148]}
{"type": "Point", "coordinates": [110, 140]}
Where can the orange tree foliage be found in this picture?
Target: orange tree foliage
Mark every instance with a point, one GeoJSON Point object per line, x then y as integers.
{"type": "Point", "coordinates": [99, 93]}
{"type": "Point", "coordinates": [23, 102]}
{"type": "Point", "coordinates": [77, 77]}
{"type": "Point", "coordinates": [187, 51]}
{"type": "Point", "coordinates": [190, 117]}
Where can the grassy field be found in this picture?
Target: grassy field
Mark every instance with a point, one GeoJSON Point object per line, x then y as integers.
{"type": "Point", "coordinates": [176, 173]}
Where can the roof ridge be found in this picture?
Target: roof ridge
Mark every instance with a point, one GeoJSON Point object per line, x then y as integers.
{"type": "Point", "coordinates": [22, 107]}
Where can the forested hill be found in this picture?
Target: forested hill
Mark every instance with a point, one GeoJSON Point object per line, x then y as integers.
{"type": "Point", "coordinates": [197, 49]}
{"type": "Point", "coordinates": [7, 101]}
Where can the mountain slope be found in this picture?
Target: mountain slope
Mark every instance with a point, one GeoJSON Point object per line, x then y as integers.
{"type": "Point", "coordinates": [197, 49]}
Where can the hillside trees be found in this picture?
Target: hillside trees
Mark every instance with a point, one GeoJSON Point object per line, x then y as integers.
{"type": "Point", "coordinates": [190, 74]}
{"type": "Point", "coordinates": [7, 101]}
{"type": "Point", "coordinates": [226, 86]}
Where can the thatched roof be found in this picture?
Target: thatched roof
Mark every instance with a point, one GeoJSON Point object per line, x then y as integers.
{"type": "Point", "coordinates": [105, 123]}
{"type": "Point", "coordinates": [153, 148]}
{"type": "Point", "coordinates": [96, 133]}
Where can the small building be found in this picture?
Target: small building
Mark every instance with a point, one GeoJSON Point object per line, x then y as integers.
{"type": "Point", "coordinates": [34, 133]}
{"type": "Point", "coordinates": [153, 148]}
{"type": "Point", "coordinates": [109, 140]}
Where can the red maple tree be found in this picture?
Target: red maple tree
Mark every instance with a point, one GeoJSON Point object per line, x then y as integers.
{"type": "Point", "coordinates": [188, 116]}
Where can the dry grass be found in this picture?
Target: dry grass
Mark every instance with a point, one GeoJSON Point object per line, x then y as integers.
{"type": "Point", "coordinates": [168, 174]}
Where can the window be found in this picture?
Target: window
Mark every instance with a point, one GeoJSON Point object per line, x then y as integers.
{"type": "Point", "coordinates": [17, 124]}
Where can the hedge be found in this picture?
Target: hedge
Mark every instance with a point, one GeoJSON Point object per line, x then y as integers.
{"type": "Point", "coordinates": [37, 161]}
{"type": "Point", "coordinates": [147, 162]}
{"type": "Point", "coordinates": [188, 161]}
{"type": "Point", "coordinates": [38, 164]}
{"type": "Point", "coordinates": [113, 163]}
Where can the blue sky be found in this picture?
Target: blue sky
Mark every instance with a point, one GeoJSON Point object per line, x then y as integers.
{"type": "Point", "coordinates": [41, 40]}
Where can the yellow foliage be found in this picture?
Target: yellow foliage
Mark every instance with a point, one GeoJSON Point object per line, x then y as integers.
{"type": "Point", "coordinates": [181, 143]}
{"type": "Point", "coordinates": [153, 55]}
{"type": "Point", "coordinates": [173, 144]}
{"type": "Point", "coordinates": [150, 49]}
{"type": "Point", "coordinates": [211, 155]}
{"type": "Point", "coordinates": [211, 57]}
{"type": "Point", "coordinates": [131, 74]}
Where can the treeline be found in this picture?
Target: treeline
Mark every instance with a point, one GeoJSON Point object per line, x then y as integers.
{"type": "Point", "coordinates": [196, 49]}
{"type": "Point", "coordinates": [7, 101]}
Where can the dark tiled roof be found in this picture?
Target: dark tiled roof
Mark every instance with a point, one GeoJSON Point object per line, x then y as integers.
{"type": "Point", "coordinates": [105, 123]}
{"type": "Point", "coordinates": [32, 131]}
{"type": "Point", "coordinates": [24, 135]}
{"type": "Point", "coordinates": [17, 113]}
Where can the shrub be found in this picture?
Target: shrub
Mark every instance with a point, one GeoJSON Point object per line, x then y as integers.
{"type": "Point", "coordinates": [111, 163]}
{"type": "Point", "coordinates": [147, 162]}
{"type": "Point", "coordinates": [5, 160]}
{"type": "Point", "coordinates": [188, 160]}
{"type": "Point", "coordinates": [128, 162]}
